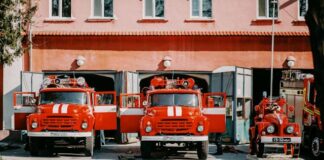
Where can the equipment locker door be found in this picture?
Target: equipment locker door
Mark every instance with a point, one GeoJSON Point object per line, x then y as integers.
{"type": "Point", "coordinates": [131, 112]}
{"type": "Point", "coordinates": [105, 110]}
{"type": "Point", "coordinates": [24, 103]}
{"type": "Point", "coordinates": [214, 110]}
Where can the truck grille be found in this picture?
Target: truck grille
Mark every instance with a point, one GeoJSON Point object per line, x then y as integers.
{"type": "Point", "coordinates": [59, 123]}
{"type": "Point", "coordinates": [174, 126]}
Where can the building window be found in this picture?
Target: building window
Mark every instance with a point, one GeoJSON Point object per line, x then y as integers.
{"type": "Point", "coordinates": [266, 9]}
{"type": "Point", "coordinates": [154, 8]}
{"type": "Point", "coordinates": [201, 8]}
{"type": "Point", "coordinates": [103, 8]}
{"type": "Point", "coordinates": [61, 8]}
{"type": "Point", "coordinates": [303, 7]}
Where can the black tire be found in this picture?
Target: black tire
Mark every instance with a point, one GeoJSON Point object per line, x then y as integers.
{"type": "Point", "coordinates": [89, 146]}
{"type": "Point", "coordinates": [315, 147]}
{"type": "Point", "coordinates": [202, 150]}
{"type": "Point", "coordinates": [34, 146]}
{"type": "Point", "coordinates": [146, 149]}
{"type": "Point", "coordinates": [260, 149]}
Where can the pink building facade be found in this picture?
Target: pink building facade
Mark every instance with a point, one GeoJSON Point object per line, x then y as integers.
{"type": "Point", "coordinates": [188, 39]}
{"type": "Point", "coordinates": [124, 43]}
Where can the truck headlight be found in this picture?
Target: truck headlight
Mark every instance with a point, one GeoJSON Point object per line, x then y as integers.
{"type": "Point", "coordinates": [148, 129]}
{"type": "Point", "coordinates": [270, 129]}
{"type": "Point", "coordinates": [200, 128]}
{"type": "Point", "coordinates": [290, 129]}
{"type": "Point", "coordinates": [34, 125]}
{"type": "Point", "coordinates": [84, 125]}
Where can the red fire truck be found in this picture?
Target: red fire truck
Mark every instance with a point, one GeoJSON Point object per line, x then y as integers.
{"type": "Point", "coordinates": [271, 126]}
{"type": "Point", "coordinates": [173, 111]}
{"type": "Point", "coordinates": [313, 131]}
{"type": "Point", "coordinates": [66, 113]}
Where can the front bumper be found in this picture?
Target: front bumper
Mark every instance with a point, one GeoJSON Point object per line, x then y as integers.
{"type": "Point", "coordinates": [282, 140]}
{"type": "Point", "coordinates": [59, 134]}
{"type": "Point", "coordinates": [175, 138]}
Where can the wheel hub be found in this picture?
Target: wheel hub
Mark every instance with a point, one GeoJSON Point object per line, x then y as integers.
{"type": "Point", "coordinates": [315, 146]}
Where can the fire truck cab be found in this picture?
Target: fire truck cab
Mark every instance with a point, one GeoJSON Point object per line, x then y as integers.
{"type": "Point", "coordinates": [173, 111]}
{"type": "Point", "coordinates": [66, 113]}
{"type": "Point", "coordinates": [271, 126]}
{"type": "Point", "coordinates": [313, 131]}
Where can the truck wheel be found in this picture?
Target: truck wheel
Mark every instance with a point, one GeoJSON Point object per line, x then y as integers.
{"type": "Point", "coordinates": [146, 149]}
{"type": "Point", "coordinates": [34, 147]}
{"type": "Point", "coordinates": [260, 149]}
{"type": "Point", "coordinates": [202, 150]}
{"type": "Point", "coordinates": [315, 147]}
{"type": "Point", "coordinates": [89, 145]}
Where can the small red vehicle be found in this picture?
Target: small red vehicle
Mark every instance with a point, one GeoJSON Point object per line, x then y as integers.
{"type": "Point", "coordinates": [173, 112]}
{"type": "Point", "coordinates": [271, 126]}
{"type": "Point", "coordinates": [67, 113]}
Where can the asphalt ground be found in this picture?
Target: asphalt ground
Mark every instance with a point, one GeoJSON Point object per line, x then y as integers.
{"type": "Point", "coordinates": [132, 152]}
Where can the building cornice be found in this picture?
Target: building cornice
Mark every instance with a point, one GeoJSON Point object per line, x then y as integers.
{"type": "Point", "coordinates": [168, 33]}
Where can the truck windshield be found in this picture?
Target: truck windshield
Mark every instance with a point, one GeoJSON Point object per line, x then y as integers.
{"type": "Point", "coordinates": [63, 97]}
{"type": "Point", "coordinates": [190, 100]}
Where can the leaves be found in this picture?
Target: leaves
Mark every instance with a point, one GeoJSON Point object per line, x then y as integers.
{"type": "Point", "coordinates": [16, 16]}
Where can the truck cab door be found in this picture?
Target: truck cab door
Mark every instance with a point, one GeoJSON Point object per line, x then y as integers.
{"type": "Point", "coordinates": [105, 111]}
{"type": "Point", "coordinates": [214, 110]}
{"type": "Point", "coordinates": [24, 103]}
{"type": "Point", "coordinates": [131, 112]}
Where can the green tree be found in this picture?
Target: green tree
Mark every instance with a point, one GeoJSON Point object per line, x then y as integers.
{"type": "Point", "coordinates": [15, 18]}
{"type": "Point", "coordinates": [315, 23]}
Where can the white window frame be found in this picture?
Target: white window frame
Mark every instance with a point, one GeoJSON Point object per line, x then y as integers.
{"type": "Point", "coordinates": [267, 10]}
{"type": "Point", "coordinates": [102, 9]}
{"type": "Point", "coordinates": [299, 16]}
{"type": "Point", "coordinates": [60, 10]}
{"type": "Point", "coordinates": [200, 11]}
{"type": "Point", "coordinates": [152, 17]}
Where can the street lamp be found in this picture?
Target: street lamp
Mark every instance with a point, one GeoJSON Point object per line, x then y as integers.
{"type": "Point", "coordinates": [167, 61]}
{"type": "Point", "coordinates": [80, 60]}
{"type": "Point", "coordinates": [274, 2]}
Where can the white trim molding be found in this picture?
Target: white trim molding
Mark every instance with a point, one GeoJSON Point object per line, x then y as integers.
{"type": "Point", "coordinates": [175, 138]}
{"type": "Point", "coordinates": [59, 134]}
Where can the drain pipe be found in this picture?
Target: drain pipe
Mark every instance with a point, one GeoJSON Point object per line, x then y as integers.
{"type": "Point", "coordinates": [30, 48]}
{"type": "Point", "coordinates": [30, 39]}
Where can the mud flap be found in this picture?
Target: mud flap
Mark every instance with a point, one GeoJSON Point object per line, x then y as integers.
{"type": "Point", "coordinates": [131, 113]}
{"type": "Point", "coordinates": [105, 111]}
{"type": "Point", "coordinates": [214, 109]}
{"type": "Point", "coordinates": [24, 104]}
